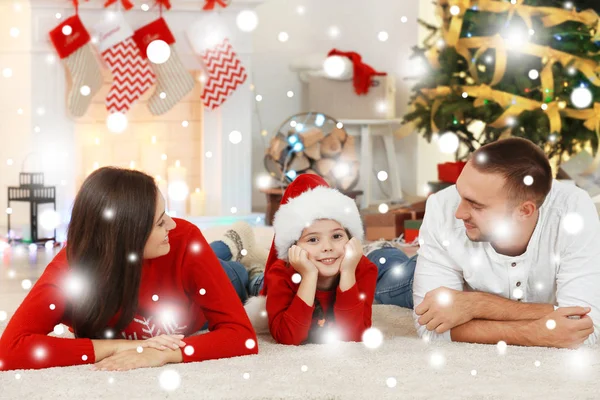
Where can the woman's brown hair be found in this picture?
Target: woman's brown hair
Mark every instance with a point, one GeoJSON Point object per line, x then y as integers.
{"type": "Point", "coordinates": [112, 219]}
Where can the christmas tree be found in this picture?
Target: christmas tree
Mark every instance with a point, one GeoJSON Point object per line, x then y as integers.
{"type": "Point", "coordinates": [527, 68]}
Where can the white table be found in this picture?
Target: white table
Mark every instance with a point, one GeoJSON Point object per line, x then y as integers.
{"type": "Point", "coordinates": [362, 129]}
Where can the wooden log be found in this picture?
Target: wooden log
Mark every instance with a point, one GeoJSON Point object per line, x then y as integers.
{"type": "Point", "coordinates": [273, 167]}
{"type": "Point", "coordinates": [299, 163]}
{"type": "Point", "coordinates": [331, 147]}
{"type": "Point", "coordinates": [349, 150]}
{"type": "Point", "coordinates": [313, 152]}
{"type": "Point", "coordinates": [339, 134]}
{"type": "Point", "coordinates": [311, 137]}
{"type": "Point", "coordinates": [324, 167]}
{"type": "Point", "coordinates": [277, 147]}
{"type": "Point", "coordinates": [351, 179]}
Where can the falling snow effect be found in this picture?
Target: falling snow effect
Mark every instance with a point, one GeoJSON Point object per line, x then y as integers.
{"type": "Point", "coordinates": [169, 380]}
{"type": "Point", "coordinates": [437, 360]}
{"type": "Point", "coordinates": [188, 350]}
{"type": "Point", "coordinates": [372, 338]}
{"type": "Point", "coordinates": [444, 298]}
{"type": "Point", "coordinates": [572, 223]}
{"type": "Point", "coordinates": [502, 346]}
{"type": "Point", "coordinates": [296, 278]}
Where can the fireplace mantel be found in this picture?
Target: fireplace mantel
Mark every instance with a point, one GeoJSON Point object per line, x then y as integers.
{"type": "Point", "coordinates": [226, 176]}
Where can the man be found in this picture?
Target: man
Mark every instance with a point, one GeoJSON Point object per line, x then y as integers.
{"type": "Point", "coordinates": [508, 254]}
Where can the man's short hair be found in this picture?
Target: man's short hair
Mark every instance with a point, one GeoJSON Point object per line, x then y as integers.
{"type": "Point", "coordinates": [522, 163]}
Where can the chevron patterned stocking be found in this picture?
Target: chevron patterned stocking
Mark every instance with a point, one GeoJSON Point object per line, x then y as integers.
{"type": "Point", "coordinates": [225, 74]}
{"type": "Point", "coordinates": [174, 82]}
{"type": "Point", "coordinates": [132, 75]}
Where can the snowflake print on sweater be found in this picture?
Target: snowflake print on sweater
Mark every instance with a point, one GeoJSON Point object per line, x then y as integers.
{"type": "Point", "coordinates": [143, 328]}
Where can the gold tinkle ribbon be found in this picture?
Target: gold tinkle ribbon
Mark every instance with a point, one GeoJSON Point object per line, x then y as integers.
{"type": "Point", "coordinates": [515, 105]}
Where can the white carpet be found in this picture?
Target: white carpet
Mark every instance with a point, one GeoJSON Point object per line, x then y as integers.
{"type": "Point", "coordinates": [339, 371]}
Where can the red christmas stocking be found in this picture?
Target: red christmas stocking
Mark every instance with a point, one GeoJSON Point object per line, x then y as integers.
{"type": "Point", "coordinates": [224, 71]}
{"type": "Point", "coordinates": [173, 82]}
{"type": "Point", "coordinates": [72, 43]}
{"type": "Point", "coordinates": [132, 75]}
{"type": "Point", "coordinates": [225, 74]}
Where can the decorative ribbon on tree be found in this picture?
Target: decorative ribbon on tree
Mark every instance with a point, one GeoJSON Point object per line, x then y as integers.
{"type": "Point", "coordinates": [542, 84]}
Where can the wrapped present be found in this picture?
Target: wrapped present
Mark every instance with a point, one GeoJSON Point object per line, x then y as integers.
{"type": "Point", "coordinates": [413, 212]}
{"type": "Point", "coordinates": [450, 171]}
{"type": "Point", "coordinates": [411, 229]}
{"type": "Point", "coordinates": [390, 225]}
{"type": "Point", "coordinates": [379, 226]}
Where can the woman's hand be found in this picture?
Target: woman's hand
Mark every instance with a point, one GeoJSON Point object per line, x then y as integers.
{"type": "Point", "coordinates": [132, 359]}
{"type": "Point", "coordinates": [162, 342]}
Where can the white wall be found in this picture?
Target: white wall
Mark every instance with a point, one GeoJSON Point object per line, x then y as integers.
{"type": "Point", "coordinates": [38, 84]}
{"type": "Point", "coordinates": [359, 22]}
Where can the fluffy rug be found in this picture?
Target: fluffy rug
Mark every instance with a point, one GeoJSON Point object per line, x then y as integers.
{"type": "Point", "coordinates": [403, 367]}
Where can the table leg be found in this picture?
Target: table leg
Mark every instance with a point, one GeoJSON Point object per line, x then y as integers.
{"type": "Point", "coordinates": [393, 170]}
{"type": "Point", "coordinates": [366, 164]}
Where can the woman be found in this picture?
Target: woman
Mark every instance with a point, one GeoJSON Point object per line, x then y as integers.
{"type": "Point", "coordinates": [131, 282]}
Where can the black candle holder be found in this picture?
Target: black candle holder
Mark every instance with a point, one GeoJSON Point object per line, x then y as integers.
{"type": "Point", "coordinates": [32, 190]}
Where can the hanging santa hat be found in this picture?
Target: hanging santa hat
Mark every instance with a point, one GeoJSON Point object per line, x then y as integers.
{"type": "Point", "coordinates": [307, 199]}
{"type": "Point", "coordinates": [362, 73]}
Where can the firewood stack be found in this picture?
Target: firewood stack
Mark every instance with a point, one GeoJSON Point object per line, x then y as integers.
{"type": "Point", "coordinates": [331, 156]}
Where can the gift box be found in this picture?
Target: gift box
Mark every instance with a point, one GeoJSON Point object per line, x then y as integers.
{"type": "Point", "coordinates": [411, 229]}
{"type": "Point", "coordinates": [379, 226]}
{"type": "Point", "coordinates": [339, 100]}
{"type": "Point", "coordinates": [450, 171]}
{"type": "Point", "coordinates": [413, 212]}
{"type": "Point", "coordinates": [390, 225]}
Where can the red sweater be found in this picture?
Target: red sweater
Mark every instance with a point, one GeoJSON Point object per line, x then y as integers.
{"type": "Point", "coordinates": [291, 320]}
{"type": "Point", "coordinates": [182, 307]}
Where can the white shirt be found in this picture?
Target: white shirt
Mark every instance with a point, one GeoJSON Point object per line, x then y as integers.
{"type": "Point", "coordinates": [559, 267]}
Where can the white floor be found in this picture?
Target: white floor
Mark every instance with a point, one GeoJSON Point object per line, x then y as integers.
{"type": "Point", "coordinates": [403, 367]}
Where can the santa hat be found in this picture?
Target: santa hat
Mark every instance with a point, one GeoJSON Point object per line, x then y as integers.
{"type": "Point", "coordinates": [363, 73]}
{"type": "Point", "coordinates": [307, 199]}
{"type": "Point", "coordinates": [312, 204]}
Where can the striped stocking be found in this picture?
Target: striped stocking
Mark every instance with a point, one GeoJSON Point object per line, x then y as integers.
{"type": "Point", "coordinates": [132, 76]}
{"type": "Point", "coordinates": [71, 41]}
{"type": "Point", "coordinates": [173, 82]}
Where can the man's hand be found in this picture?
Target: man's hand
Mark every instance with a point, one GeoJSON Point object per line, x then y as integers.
{"type": "Point", "coordinates": [558, 330]}
{"type": "Point", "coordinates": [132, 359]}
{"type": "Point", "coordinates": [443, 309]}
{"type": "Point", "coordinates": [299, 261]}
{"type": "Point", "coordinates": [353, 252]}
